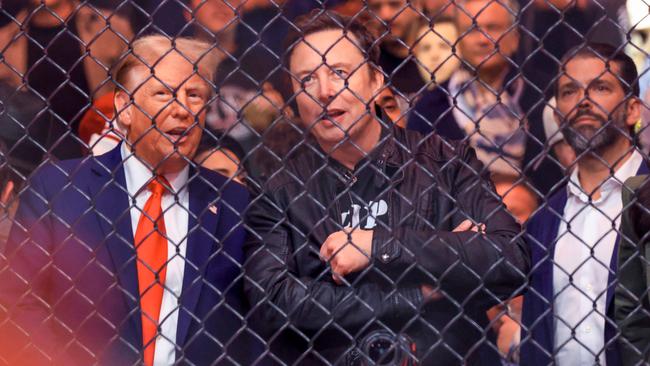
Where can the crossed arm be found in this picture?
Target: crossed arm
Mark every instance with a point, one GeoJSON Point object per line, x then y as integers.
{"type": "Point", "coordinates": [458, 262]}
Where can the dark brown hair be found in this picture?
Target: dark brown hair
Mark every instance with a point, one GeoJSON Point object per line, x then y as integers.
{"type": "Point", "coordinates": [319, 20]}
{"type": "Point", "coordinates": [628, 76]}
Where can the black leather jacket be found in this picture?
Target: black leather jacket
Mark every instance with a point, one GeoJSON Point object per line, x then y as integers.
{"type": "Point", "coordinates": [434, 186]}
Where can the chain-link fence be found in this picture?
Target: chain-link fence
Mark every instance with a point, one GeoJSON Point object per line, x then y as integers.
{"type": "Point", "coordinates": [341, 182]}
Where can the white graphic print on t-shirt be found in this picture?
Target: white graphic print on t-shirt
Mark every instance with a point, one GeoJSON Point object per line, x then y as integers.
{"type": "Point", "coordinates": [364, 217]}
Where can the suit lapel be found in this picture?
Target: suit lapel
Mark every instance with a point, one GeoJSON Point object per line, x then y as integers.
{"type": "Point", "coordinates": [611, 329]}
{"type": "Point", "coordinates": [556, 214]}
{"type": "Point", "coordinates": [112, 208]}
{"type": "Point", "coordinates": [613, 265]}
{"type": "Point", "coordinates": [201, 241]}
{"type": "Point", "coordinates": [645, 170]}
{"type": "Point", "coordinates": [551, 237]}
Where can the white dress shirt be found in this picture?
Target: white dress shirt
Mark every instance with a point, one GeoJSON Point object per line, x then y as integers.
{"type": "Point", "coordinates": [175, 208]}
{"type": "Point", "coordinates": [580, 279]}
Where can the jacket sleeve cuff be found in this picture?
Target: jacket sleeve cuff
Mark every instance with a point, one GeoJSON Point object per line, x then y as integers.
{"type": "Point", "coordinates": [388, 252]}
{"type": "Point", "coordinates": [385, 248]}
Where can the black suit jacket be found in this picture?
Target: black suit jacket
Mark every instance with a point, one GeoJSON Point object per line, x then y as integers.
{"type": "Point", "coordinates": [632, 300]}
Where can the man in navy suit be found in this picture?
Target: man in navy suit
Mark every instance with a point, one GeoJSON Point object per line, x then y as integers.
{"type": "Point", "coordinates": [70, 287]}
{"type": "Point", "coordinates": [567, 314]}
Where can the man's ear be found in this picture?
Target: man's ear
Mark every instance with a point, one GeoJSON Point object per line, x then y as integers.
{"type": "Point", "coordinates": [123, 109]}
{"type": "Point", "coordinates": [633, 110]}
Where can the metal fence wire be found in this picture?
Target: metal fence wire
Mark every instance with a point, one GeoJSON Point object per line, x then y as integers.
{"type": "Point", "coordinates": [339, 182]}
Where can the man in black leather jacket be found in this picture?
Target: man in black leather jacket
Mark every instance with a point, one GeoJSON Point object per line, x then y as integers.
{"type": "Point", "coordinates": [373, 244]}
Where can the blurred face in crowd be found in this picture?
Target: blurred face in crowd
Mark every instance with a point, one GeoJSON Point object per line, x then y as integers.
{"type": "Point", "coordinates": [52, 3]}
{"type": "Point", "coordinates": [216, 15]}
{"type": "Point", "coordinates": [398, 15]}
{"type": "Point", "coordinates": [433, 51]}
{"type": "Point", "coordinates": [390, 104]}
{"type": "Point", "coordinates": [221, 161]}
{"type": "Point", "coordinates": [519, 200]}
{"type": "Point", "coordinates": [335, 87]}
{"type": "Point", "coordinates": [435, 7]}
{"type": "Point", "coordinates": [592, 106]}
{"type": "Point", "coordinates": [52, 11]}
{"type": "Point", "coordinates": [165, 121]}
{"type": "Point", "coordinates": [493, 26]}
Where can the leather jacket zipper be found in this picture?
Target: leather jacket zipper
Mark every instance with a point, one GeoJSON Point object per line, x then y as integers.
{"type": "Point", "coordinates": [350, 177]}
{"type": "Point", "coordinates": [391, 193]}
{"type": "Point", "coordinates": [351, 180]}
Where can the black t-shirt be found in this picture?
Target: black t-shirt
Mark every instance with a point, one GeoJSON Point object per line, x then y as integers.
{"type": "Point", "coordinates": [364, 202]}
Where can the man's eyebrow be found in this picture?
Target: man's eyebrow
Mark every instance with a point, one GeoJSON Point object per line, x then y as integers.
{"type": "Point", "coordinates": [154, 85]}
{"type": "Point", "coordinates": [570, 83]}
{"type": "Point", "coordinates": [600, 80]}
{"type": "Point", "coordinates": [387, 98]}
{"type": "Point", "coordinates": [197, 85]}
{"type": "Point", "coordinates": [331, 66]}
{"type": "Point", "coordinates": [341, 63]}
{"type": "Point", "coordinates": [303, 72]}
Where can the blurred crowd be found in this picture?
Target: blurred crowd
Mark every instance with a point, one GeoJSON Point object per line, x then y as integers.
{"type": "Point", "coordinates": [442, 75]}
{"type": "Point", "coordinates": [483, 72]}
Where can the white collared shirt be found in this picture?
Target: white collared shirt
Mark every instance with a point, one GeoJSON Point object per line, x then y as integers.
{"type": "Point", "coordinates": [580, 300]}
{"type": "Point", "coordinates": [175, 208]}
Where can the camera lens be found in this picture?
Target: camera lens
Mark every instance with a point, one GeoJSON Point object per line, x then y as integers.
{"type": "Point", "coordinates": [381, 351]}
{"type": "Point", "coordinates": [385, 348]}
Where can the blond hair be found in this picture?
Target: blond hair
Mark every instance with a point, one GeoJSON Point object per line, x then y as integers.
{"type": "Point", "coordinates": [150, 50]}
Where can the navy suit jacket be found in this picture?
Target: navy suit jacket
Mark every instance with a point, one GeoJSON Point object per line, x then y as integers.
{"type": "Point", "coordinates": [538, 332]}
{"type": "Point", "coordinates": [68, 281]}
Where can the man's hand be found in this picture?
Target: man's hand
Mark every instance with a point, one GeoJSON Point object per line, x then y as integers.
{"type": "Point", "coordinates": [429, 294]}
{"type": "Point", "coordinates": [347, 251]}
{"type": "Point", "coordinates": [467, 225]}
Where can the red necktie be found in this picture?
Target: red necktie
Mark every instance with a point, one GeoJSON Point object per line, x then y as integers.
{"type": "Point", "coordinates": [151, 250]}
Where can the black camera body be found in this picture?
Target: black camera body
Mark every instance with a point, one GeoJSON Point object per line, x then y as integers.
{"type": "Point", "coordinates": [383, 348]}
